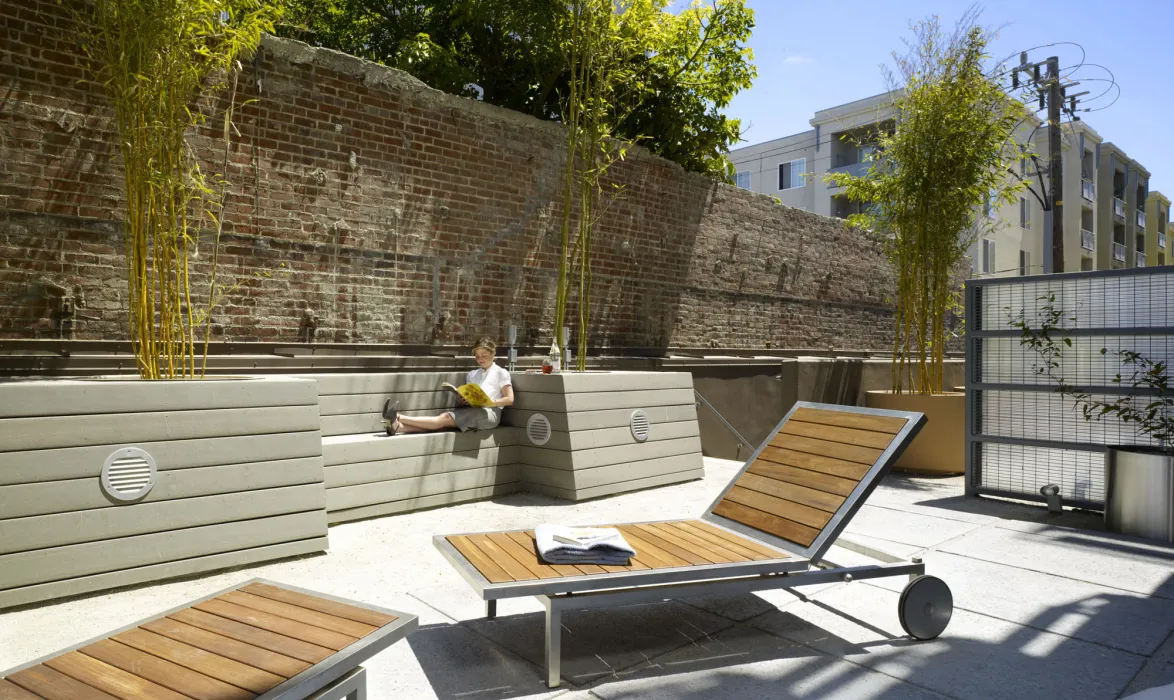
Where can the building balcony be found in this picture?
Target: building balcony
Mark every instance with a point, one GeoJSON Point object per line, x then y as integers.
{"type": "Point", "coordinates": [1088, 190]}
{"type": "Point", "coordinates": [1139, 258]}
{"type": "Point", "coordinates": [1088, 239]}
{"type": "Point", "coordinates": [1140, 219]}
{"type": "Point", "coordinates": [1161, 240]}
{"type": "Point", "coordinates": [1119, 207]}
{"type": "Point", "coordinates": [1119, 252]}
{"type": "Point", "coordinates": [854, 169]}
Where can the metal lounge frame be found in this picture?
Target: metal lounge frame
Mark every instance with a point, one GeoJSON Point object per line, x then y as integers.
{"type": "Point", "coordinates": [338, 676]}
{"type": "Point", "coordinates": [804, 565]}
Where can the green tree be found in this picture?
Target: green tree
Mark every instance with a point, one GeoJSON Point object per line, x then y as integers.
{"type": "Point", "coordinates": [951, 148]}
{"type": "Point", "coordinates": [513, 53]}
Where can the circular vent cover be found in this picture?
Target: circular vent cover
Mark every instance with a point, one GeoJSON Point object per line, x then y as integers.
{"type": "Point", "coordinates": [639, 425]}
{"type": "Point", "coordinates": [538, 429]}
{"type": "Point", "coordinates": [128, 474]}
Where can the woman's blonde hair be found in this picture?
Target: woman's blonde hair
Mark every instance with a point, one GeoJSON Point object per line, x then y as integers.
{"type": "Point", "coordinates": [487, 343]}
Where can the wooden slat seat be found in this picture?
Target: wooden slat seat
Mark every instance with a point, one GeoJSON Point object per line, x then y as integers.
{"type": "Point", "coordinates": [513, 556]}
{"type": "Point", "coordinates": [259, 639]}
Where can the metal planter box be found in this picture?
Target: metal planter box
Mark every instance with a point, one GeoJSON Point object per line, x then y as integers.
{"type": "Point", "coordinates": [1140, 492]}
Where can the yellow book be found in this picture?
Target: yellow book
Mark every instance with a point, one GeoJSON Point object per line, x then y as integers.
{"type": "Point", "coordinates": [473, 394]}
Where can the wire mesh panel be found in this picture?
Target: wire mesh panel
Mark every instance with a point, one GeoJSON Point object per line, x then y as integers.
{"type": "Point", "coordinates": [1022, 434]}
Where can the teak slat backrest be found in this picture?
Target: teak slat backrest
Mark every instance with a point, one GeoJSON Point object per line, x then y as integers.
{"type": "Point", "coordinates": [807, 479]}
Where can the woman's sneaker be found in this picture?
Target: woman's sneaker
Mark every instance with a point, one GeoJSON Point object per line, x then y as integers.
{"type": "Point", "coordinates": [390, 415]}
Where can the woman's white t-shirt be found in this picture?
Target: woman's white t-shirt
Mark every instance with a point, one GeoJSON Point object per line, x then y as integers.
{"type": "Point", "coordinates": [491, 381]}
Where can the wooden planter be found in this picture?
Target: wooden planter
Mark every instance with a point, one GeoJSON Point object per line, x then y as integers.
{"type": "Point", "coordinates": [106, 483]}
{"type": "Point", "coordinates": [940, 447]}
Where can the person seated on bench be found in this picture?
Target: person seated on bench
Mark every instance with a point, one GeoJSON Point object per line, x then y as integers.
{"type": "Point", "coordinates": [493, 380]}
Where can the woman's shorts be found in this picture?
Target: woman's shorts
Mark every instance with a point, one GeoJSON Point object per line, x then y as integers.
{"type": "Point", "coordinates": [470, 418]}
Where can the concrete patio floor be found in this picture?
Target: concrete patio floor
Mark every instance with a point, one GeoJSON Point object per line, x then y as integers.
{"type": "Point", "coordinates": [1045, 607]}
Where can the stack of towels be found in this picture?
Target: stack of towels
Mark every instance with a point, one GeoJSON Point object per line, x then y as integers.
{"type": "Point", "coordinates": [603, 546]}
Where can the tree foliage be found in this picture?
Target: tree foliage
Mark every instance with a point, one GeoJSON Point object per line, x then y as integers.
{"type": "Point", "coordinates": [950, 150]}
{"type": "Point", "coordinates": [513, 53]}
{"type": "Point", "coordinates": [154, 59]}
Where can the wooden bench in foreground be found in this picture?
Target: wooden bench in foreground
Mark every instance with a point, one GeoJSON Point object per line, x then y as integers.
{"type": "Point", "coordinates": [257, 640]}
{"type": "Point", "coordinates": [768, 529]}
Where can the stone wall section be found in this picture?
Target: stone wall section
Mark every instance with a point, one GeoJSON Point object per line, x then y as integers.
{"type": "Point", "coordinates": [374, 209]}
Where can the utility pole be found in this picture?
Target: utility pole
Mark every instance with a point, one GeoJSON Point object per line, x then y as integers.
{"type": "Point", "coordinates": [1052, 95]}
{"type": "Point", "coordinates": [1056, 167]}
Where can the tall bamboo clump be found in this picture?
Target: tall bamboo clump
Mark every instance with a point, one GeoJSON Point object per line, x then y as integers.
{"type": "Point", "coordinates": [950, 150]}
{"type": "Point", "coordinates": [594, 51]}
{"type": "Point", "coordinates": [155, 58]}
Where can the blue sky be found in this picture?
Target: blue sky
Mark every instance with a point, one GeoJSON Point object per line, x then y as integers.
{"type": "Point", "coordinates": [813, 55]}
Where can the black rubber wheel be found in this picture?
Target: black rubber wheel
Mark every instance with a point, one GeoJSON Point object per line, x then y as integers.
{"type": "Point", "coordinates": [926, 607]}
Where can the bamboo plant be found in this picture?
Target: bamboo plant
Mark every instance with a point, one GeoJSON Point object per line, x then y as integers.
{"type": "Point", "coordinates": [596, 62]}
{"type": "Point", "coordinates": [948, 151]}
{"type": "Point", "coordinates": [155, 59]}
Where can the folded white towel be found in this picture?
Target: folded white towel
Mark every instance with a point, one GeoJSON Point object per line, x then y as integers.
{"type": "Point", "coordinates": [558, 544]}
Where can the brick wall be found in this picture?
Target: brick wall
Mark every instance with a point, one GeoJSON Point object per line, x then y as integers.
{"type": "Point", "coordinates": [396, 213]}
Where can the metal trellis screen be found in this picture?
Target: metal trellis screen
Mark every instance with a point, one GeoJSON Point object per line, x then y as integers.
{"type": "Point", "coordinates": [1021, 435]}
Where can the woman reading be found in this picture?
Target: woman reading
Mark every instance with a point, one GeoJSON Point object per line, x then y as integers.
{"type": "Point", "coordinates": [493, 380]}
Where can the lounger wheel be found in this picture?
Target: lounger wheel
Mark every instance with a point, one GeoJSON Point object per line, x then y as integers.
{"type": "Point", "coordinates": [925, 607]}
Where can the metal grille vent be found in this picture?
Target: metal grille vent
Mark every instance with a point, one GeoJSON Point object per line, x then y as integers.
{"type": "Point", "coordinates": [639, 425]}
{"type": "Point", "coordinates": [538, 429]}
{"type": "Point", "coordinates": [128, 474]}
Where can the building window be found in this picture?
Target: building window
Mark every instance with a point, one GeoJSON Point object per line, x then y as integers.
{"type": "Point", "coordinates": [988, 256]}
{"type": "Point", "coordinates": [791, 174]}
{"type": "Point", "coordinates": [1024, 262]}
{"type": "Point", "coordinates": [1024, 213]}
{"type": "Point", "coordinates": [742, 179]}
{"type": "Point", "coordinates": [988, 205]}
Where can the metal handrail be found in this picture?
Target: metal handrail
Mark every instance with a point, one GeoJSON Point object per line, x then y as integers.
{"type": "Point", "coordinates": [725, 422]}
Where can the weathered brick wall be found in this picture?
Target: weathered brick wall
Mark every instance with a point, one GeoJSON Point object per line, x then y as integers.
{"type": "Point", "coordinates": [396, 213]}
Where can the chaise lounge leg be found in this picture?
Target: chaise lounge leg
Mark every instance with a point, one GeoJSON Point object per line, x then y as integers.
{"type": "Point", "coordinates": [554, 628]}
{"type": "Point", "coordinates": [490, 609]}
{"type": "Point", "coordinates": [352, 686]}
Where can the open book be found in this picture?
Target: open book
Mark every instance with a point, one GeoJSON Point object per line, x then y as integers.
{"type": "Point", "coordinates": [471, 393]}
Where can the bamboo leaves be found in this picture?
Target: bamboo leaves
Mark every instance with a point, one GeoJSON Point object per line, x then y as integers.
{"type": "Point", "coordinates": [155, 58]}
{"type": "Point", "coordinates": [946, 153]}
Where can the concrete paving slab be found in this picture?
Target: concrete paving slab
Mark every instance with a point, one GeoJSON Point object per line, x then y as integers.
{"type": "Point", "coordinates": [1110, 616]}
{"type": "Point", "coordinates": [978, 657]}
{"type": "Point", "coordinates": [1131, 565]}
{"type": "Point", "coordinates": [944, 497]}
{"type": "Point", "coordinates": [905, 528]}
{"type": "Point", "coordinates": [742, 663]}
{"type": "Point", "coordinates": [452, 661]}
{"type": "Point", "coordinates": [600, 643]}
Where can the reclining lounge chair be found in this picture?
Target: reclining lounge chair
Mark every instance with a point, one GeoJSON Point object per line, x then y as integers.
{"type": "Point", "coordinates": [768, 529]}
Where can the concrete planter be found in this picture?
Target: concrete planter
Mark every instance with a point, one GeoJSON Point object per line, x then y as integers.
{"type": "Point", "coordinates": [1139, 492]}
{"type": "Point", "coordinates": [111, 482]}
{"type": "Point", "coordinates": [940, 448]}
{"type": "Point", "coordinates": [605, 432]}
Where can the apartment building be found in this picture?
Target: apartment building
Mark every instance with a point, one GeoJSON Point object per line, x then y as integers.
{"type": "Point", "coordinates": [1157, 219]}
{"type": "Point", "coordinates": [1012, 238]}
{"type": "Point", "coordinates": [1121, 216]}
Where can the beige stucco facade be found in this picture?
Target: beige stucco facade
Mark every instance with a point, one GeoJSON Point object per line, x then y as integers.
{"type": "Point", "coordinates": [1009, 240]}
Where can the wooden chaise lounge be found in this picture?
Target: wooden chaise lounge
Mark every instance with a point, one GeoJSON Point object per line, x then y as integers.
{"type": "Point", "coordinates": [256, 640]}
{"type": "Point", "coordinates": [768, 529]}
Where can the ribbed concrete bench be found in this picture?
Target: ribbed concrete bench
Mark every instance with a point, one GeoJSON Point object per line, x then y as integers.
{"type": "Point", "coordinates": [573, 436]}
{"type": "Point", "coordinates": [257, 640]}
{"type": "Point", "coordinates": [368, 473]}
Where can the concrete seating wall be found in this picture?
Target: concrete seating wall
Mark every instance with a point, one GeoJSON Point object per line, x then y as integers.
{"type": "Point", "coordinates": [369, 474]}
{"type": "Point", "coordinates": [591, 449]}
{"type": "Point", "coordinates": [237, 480]}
